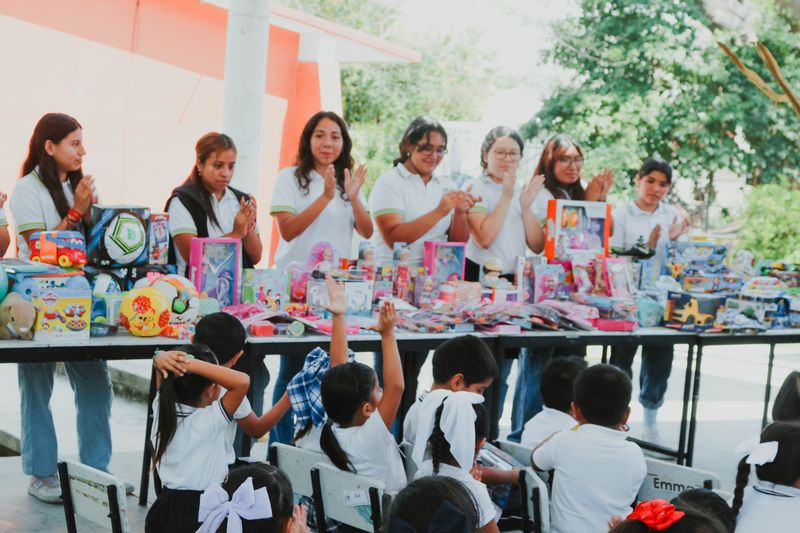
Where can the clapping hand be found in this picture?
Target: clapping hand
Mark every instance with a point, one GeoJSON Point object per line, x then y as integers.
{"type": "Point", "coordinates": [353, 181]}
{"type": "Point", "coordinates": [530, 191]}
{"type": "Point", "coordinates": [678, 228]}
{"type": "Point", "coordinates": [84, 194]}
{"type": "Point", "coordinates": [330, 182]}
{"type": "Point", "coordinates": [655, 234]}
{"type": "Point", "coordinates": [598, 188]}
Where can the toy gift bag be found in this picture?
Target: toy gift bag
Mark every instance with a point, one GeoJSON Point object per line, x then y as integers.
{"type": "Point", "coordinates": [577, 230]}
{"type": "Point", "coordinates": [118, 236]}
{"type": "Point", "coordinates": [214, 267]}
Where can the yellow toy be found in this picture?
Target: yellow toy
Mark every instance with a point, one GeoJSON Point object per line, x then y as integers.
{"type": "Point", "coordinates": [144, 312]}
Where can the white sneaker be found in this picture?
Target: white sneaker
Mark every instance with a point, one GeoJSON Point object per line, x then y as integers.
{"type": "Point", "coordinates": [46, 489]}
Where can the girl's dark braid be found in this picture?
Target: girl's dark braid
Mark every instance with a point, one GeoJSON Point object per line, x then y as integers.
{"type": "Point", "coordinates": [440, 448]}
{"type": "Point", "coordinates": [742, 476]}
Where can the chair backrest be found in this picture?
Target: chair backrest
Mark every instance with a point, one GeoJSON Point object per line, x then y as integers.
{"type": "Point", "coordinates": [666, 480]}
{"type": "Point", "coordinates": [517, 451]}
{"type": "Point", "coordinates": [411, 467]}
{"type": "Point", "coordinates": [296, 463]}
{"type": "Point", "coordinates": [536, 495]}
{"type": "Point", "coordinates": [353, 500]}
{"type": "Point", "coordinates": [93, 494]}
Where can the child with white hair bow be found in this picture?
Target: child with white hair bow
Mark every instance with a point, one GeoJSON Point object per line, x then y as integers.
{"type": "Point", "coordinates": [254, 498]}
{"type": "Point", "coordinates": [453, 427]}
{"type": "Point", "coordinates": [773, 502]}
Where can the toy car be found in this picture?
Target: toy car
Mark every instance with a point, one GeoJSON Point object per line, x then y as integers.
{"type": "Point", "coordinates": [690, 314]}
{"type": "Point", "coordinates": [62, 248]}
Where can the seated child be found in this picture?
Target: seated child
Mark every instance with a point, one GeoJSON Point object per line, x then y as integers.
{"type": "Point", "coordinates": [256, 498]}
{"type": "Point", "coordinates": [356, 435]}
{"type": "Point", "coordinates": [597, 471]}
{"type": "Point", "coordinates": [706, 502]}
{"type": "Point", "coordinates": [225, 335]}
{"type": "Point", "coordinates": [660, 515]}
{"type": "Point", "coordinates": [190, 432]}
{"type": "Point", "coordinates": [451, 432]}
{"type": "Point", "coordinates": [557, 381]}
{"type": "Point", "coordinates": [438, 501]}
{"type": "Point", "coordinates": [304, 388]}
{"type": "Point", "coordinates": [787, 402]}
{"type": "Point", "coordinates": [774, 500]}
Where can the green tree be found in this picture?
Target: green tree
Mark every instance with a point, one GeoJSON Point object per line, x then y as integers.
{"type": "Point", "coordinates": [772, 221]}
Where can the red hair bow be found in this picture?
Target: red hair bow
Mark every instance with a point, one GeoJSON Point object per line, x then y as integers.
{"type": "Point", "coordinates": [657, 515]}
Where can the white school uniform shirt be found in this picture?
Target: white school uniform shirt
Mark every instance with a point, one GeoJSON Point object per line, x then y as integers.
{"type": "Point", "coordinates": [546, 422]}
{"type": "Point", "coordinates": [196, 457]}
{"type": "Point", "coordinates": [34, 209]}
{"type": "Point", "coordinates": [243, 411]}
{"type": "Point", "coordinates": [401, 192]}
{"type": "Point", "coordinates": [631, 223]}
{"type": "Point", "coordinates": [510, 241]}
{"type": "Point", "coordinates": [373, 451]}
{"type": "Point", "coordinates": [335, 224]}
{"type": "Point", "coordinates": [411, 421]}
{"type": "Point", "coordinates": [181, 222]}
{"type": "Point", "coordinates": [487, 511]}
{"type": "Point", "coordinates": [310, 441]}
{"type": "Point", "coordinates": [769, 507]}
{"type": "Point", "coordinates": [597, 475]}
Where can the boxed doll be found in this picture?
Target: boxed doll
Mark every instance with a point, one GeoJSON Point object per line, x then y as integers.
{"type": "Point", "coordinates": [445, 261]}
{"type": "Point", "coordinates": [118, 235]}
{"type": "Point", "coordinates": [159, 239]}
{"type": "Point", "coordinates": [577, 230]}
{"type": "Point", "coordinates": [358, 295]}
{"type": "Point", "coordinates": [548, 280]}
{"type": "Point", "coordinates": [214, 266]}
{"type": "Point", "coordinates": [266, 286]}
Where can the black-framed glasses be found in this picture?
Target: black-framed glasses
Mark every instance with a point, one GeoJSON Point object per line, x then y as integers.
{"type": "Point", "coordinates": [428, 149]}
{"type": "Point", "coordinates": [511, 154]}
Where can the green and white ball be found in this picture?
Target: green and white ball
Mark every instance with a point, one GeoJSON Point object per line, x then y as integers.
{"type": "Point", "coordinates": [125, 238]}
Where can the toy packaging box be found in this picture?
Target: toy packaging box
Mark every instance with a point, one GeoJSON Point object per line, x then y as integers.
{"type": "Point", "coordinates": [445, 261]}
{"type": "Point", "coordinates": [548, 280]}
{"type": "Point", "coordinates": [357, 293]}
{"type": "Point", "coordinates": [577, 230]}
{"type": "Point", "coordinates": [524, 277]}
{"type": "Point", "coordinates": [268, 287]}
{"type": "Point", "coordinates": [770, 312]}
{"type": "Point", "coordinates": [118, 236]}
{"type": "Point", "coordinates": [159, 239]}
{"type": "Point", "coordinates": [699, 256]}
{"type": "Point", "coordinates": [692, 312]}
{"type": "Point", "coordinates": [214, 267]}
{"type": "Point", "coordinates": [63, 248]}
{"type": "Point", "coordinates": [62, 313]}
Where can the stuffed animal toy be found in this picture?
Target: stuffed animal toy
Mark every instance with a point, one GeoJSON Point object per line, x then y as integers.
{"type": "Point", "coordinates": [17, 317]}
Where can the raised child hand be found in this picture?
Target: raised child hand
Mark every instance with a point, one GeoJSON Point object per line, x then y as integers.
{"type": "Point", "coordinates": [386, 319]}
{"type": "Point", "coordinates": [337, 303]}
{"type": "Point", "coordinates": [171, 362]}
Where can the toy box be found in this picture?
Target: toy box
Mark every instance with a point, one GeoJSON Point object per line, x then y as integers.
{"type": "Point", "coordinates": [357, 293]}
{"type": "Point", "coordinates": [445, 261]}
{"type": "Point", "coordinates": [268, 287]}
{"type": "Point", "coordinates": [577, 230]}
{"type": "Point", "coordinates": [692, 312]}
{"type": "Point", "coordinates": [548, 280]}
{"type": "Point", "coordinates": [63, 248]}
{"type": "Point", "coordinates": [118, 236]}
{"type": "Point", "coordinates": [524, 277]}
{"type": "Point", "coordinates": [771, 312]}
{"type": "Point", "coordinates": [62, 313]}
{"type": "Point", "coordinates": [700, 256]}
{"type": "Point", "coordinates": [214, 266]}
{"type": "Point", "coordinates": [617, 277]}
{"type": "Point", "coordinates": [159, 239]}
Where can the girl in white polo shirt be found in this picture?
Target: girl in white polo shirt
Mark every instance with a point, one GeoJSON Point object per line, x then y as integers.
{"type": "Point", "coordinates": [54, 195]}
{"type": "Point", "coordinates": [320, 199]}
{"type": "Point", "coordinates": [648, 220]}
{"type": "Point", "coordinates": [189, 434]}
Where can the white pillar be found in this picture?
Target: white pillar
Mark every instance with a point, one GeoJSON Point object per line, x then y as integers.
{"type": "Point", "coordinates": [245, 83]}
{"type": "Point", "coordinates": [321, 49]}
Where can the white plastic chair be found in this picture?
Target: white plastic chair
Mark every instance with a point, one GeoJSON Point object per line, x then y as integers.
{"type": "Point", "coordinates": [348, 498]}
{"type": "Point", "coordinates": [93, 494]}
{"type": "Point", "coordinates": [666, 480]}
{"type": "Point", "coordinates": [296, 463]}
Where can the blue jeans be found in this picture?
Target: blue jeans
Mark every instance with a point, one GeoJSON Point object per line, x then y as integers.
{"type": "Point", "coordinates": [259, 379]}
{"type": "Point", "coordinates": [283, 431]}
{"type": "Point", "coordinates": [655, 371]}
{"type": "Point", "coordinates": [91, 385]}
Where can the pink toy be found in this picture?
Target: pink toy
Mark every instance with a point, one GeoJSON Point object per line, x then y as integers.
{"type": "Point", "coordinates": [445, 261]}
{"type": "Point", "coordinates": [262, 329]}
{"type": "Point", "coordinates": [615, 271]}
{"type": "Point", "coordinates": [577, 229]}
{"type": "Point", "coordinates": [548, 280]}
{"type": "Point", "coordinates": [322, 258]}
{"type": "Point", "coordinates": [214, 268]}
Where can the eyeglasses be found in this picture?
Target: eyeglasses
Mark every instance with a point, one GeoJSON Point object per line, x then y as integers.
{"type": "Point", "coordinates": [428, 149]}
{"type": "Point", "coordinates": [502, 154]}
{"type": "Point", "coordinates": [570, 160]}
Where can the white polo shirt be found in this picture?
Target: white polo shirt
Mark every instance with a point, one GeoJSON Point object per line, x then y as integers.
{"type": "Point", "coordinates": [540, 204]}
{"type": "Point", "coordinates": [334, 224]}
{"type": "Point", "coordinates": [34, 209]}
{"type": "Point", "coordinates": [373, 451]}
{"type": "Point", "coordinates": [544, 424]}
{"type": "Point", "coordinates": [597, 475]}
{"type": "Point", "coordinates": [310, 441]}
{"type": "Point", "coordinates": [401, 192]}
{"type": "Point", "coordinates": [631, 223]}
{"type": "Point", "coordinates": [769, 507]}
{"type": "Point", "coordinates": [181, 222]}
{"type": "Point", "coordinates": [487, 511]}
{"type": "Point", "coordinates": [243, 411]}
{"type": "Point", "coordinates": [510, 242]}
{"type": "Point", "coordinates": [411, 421]}
{"type": "Point", "coordinates": [196, 457]}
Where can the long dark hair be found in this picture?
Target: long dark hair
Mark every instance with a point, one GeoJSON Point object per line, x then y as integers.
{"type": "Point", "coordinates": [305, 159]}
{"type": "Point", "coordinates": [553, 149]}
{"type": "Point", "coordinates": [208, 144]}
{"type": "Point", "coordinates": [493, 135]}
{"type": "Point", "coordinates": [694, 521]}
{"type": "Point", "coordinates": [419, 501]}
{"type": "Point", "coordinates": [787, 402]}
{"type": "Point", "coordinates": [185, 389]}
{"type": "Point", "coordinates": [53, 127]}
{"type": "Point", "coordinates": [440, 447]}
{"type": "Point", "coordinates": [420, 128]}
{"type": "Point", "coordinates": [279, 491]}
{"type": "Point", "coordinates": [783, 470]}
{"type": "Point", "coordinates": [344, 390]}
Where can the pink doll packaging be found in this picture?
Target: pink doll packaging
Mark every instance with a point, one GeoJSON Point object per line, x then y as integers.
{"type": "Point", "coordinates": [214, 268]}
{"type": "Point", "coordinates": [617, 277]}
{"type": "Point", "coordinates": [445, 261]}
{"type": "Point", "coordinates": [548, 280]}
{"type": "Point", "coordinates": [577, 229]}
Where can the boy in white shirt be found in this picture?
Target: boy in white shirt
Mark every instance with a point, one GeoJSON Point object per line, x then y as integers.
{"type": "Point", "coordinates": [557, 382]}
{"type": "Point", "coordinates": [597, 472]}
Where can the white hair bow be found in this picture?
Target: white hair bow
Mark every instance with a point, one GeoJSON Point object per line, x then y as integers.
{"type": "Point", "coordinates": [763, 453]}
{"type": "Point", "coordinates": [245, 503]}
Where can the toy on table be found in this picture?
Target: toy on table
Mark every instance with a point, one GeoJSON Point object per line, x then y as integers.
{"type": "Point", "coordinates": [445, 261]}
{"type": "Point", "coordinates": [144, 312]}
{"type": "Point", "coordinates": [159, 239]}
{"type": "Point", "coordinates": [548, 280]}
{"type": "Point", "coordinates": [617, 277]}
{"type": "Point", "coordinates": [181, 296]}
{"type": "Point", "coordinates": [63, 248]}
{"type": "Point", "coordinates": [703, 256]}
{"type": "Point", "coordinates": [425, 292]}
{"type": "Point", "coordinates": [62, 312]}
{"type": "Point", "coordinates": [118, 236]}
{"type": "Point", "coordinates": [366, 259]}
{"type": "Point", "coordinates": [268, 287]}
{"type": "Point", "coordinates": [358, 295]}
{"type": "Point", "coordinates": [214, 266]}
{"type": "Point", "coordinates": [744, 262]}
{"type": "Point", "coordinates": [402, 277]}
{"type": "Point", "coordinates": [577, 229]}
{"type": "Point", "coordinates": [524, 277]}
{"type": "Point", "coordinates": [17, 317]}
{"type": "Point", "coordinates": [692, 312]}
{"type": "Point", "coordinates": [567, 285]}
{"type": "Point", "coordinates": [321, 260]}
{"type": "Point", "coordinates": [583, 274]}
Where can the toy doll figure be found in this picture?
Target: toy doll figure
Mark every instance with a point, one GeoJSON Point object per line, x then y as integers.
{"type": "Point", "coordinates": [366, 260]}
{"type": "Point", "coordinates": [548, 285]}
{"type": "Point", "coordinates": [491, 272]}
{"type": "Point", "coordinates": [321, 259]}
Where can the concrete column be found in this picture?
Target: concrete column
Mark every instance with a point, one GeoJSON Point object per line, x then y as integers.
{"type": "Point", "coordinates": [321, 49]}
{"type": "Point", "coordinates": [245, 83]}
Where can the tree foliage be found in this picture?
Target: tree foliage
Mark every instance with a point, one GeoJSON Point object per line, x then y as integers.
{"type": "Point", "coordinates": [772, 221]}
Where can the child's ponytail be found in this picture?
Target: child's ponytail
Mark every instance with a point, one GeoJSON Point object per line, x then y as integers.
{"type": "Point", "coordinates": [440, 448]}
{"type": "Point", "coordinates": [460, 451]}
{"type": "Point", "coordinates": [742, 475]}
{"type": "Point", "coordinates": [330, 445]}
{"type": "Point", "coordinates": [174, 389]}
